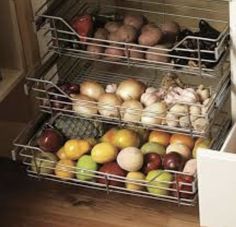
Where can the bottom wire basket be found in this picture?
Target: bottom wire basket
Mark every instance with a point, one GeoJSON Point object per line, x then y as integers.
{"type": "Point", "coordinates": [166, 185]}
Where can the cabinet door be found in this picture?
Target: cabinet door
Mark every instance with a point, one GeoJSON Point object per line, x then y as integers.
{"type": "Point", "coordinates": [217, 184]}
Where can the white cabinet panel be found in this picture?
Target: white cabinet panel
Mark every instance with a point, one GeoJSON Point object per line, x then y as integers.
{"type": "Point", "coordinates": [217, 188]}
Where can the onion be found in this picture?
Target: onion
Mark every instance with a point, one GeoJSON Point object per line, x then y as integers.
{"type": "Point", "coordinates": [131, 110]}
{"type": "Point", "coordinates": [130, 89]}
{"type": "Point", "coordinates": [108, 105]}
{"type": "Point", "coordinates": [154, 113]}
{"type": "Point", "coordinates": [84, 105]}
{"type": "Point", "coordinates": [92, 89]}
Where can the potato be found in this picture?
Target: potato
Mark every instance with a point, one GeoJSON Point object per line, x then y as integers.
{"type": "Point", "coordinates": [136, 21]}
{"type": "Point", "coordinates": [95, 50]}
{"type": "Point", "coordinates": [152, 54]}
{"type": "Point", "coordinates": [114, 36]}
{"type": "Point", "coordinates": [150, 37]}
{"type": "Point", "coordinates": [112, 26]}
{"type": "Point", "coordinates": [148, 26]}
{"type": "Point", "coordinates": [101, 33]}
{"type": "Point", "coordinates": [170, 31]}
{"type": "Point", "coordinates": [134, 53]}
{"type": "Point", "coordinates": [115, 52]}
{"type": "Point", "coordinates": [127, 33]}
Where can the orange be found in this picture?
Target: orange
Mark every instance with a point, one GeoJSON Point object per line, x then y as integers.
{"type": "Point", "coordinates": [183, 139]}
{"type": "Point", "coordinates": [65, 169]}
{"type": "Point", "coordinates": [162, 138]}
{"type": "Point", "coordinates": [75, 148]}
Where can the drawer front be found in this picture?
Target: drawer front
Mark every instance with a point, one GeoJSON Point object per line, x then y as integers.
{"type": "Point", "coordinates": [217, 184]}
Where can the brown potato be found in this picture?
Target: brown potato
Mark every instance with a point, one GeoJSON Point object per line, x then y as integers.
{"type": "Point", "coordinates": [148, 26]}
{"type": "Point", "coordinates": [115, 52]}
{"type": "Point", "coordinates": [112, 26]}
{"type": "Point", "coordinates": [134, 53]}
{"type": "Point", "coordinates": [150, 37]}
{"type": "Point", "coordinates": [95, 50]}
{"type": "Point", "coordinates": [127, 33]}
{"type": "Point", "coordinates": [114, 36]}
{"type": "Point", "coordinates": [101, 33]}
{"type": "Point", "coordinates": [170, 30]}
{"type": "Point", "coordinates": [136, 21]}
{"type": "Point", "coordinates": [153, 55]}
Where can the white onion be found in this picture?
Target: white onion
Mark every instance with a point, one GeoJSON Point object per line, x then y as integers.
{"type": "Point", "coordinates": [91, 89]}
{"type": "Point", "coordinates": [108, 105]}
{"type": "Point", "coordinates": [84, 105]}
{"type": "Point", "coordinates": [131, 110]}
{"type": "Point", "coordinates": [130, 89]}
{"type": "Point", "coordinates": [148, 99]}
{"type": "Point", "coordinates": [154, 113]}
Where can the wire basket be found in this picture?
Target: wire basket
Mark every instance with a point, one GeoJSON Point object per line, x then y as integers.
{"type": "Point", "coordinates": [61, 70]}
{"type": "Point", "coordinates": [55, 17]}
{"type": "Point", "coordinates": [181, 188]}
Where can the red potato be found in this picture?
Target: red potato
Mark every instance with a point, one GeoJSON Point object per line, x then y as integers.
{"type": "Point", "coordinates": [95, 50]}
{"type": "Point", "coordinates": [153, 54]}
{"type": "Point", "coordinates": [115, 53]}
{"type": "Point", "coordinates": [136, 21]}
{"type": "Point", "coordinates": [148, 26]}
{"type": "Point", "coordinates": [101, 33]}
{"type": "Point", "coordinates": [150, 37]}
{"type": "Point", "coordinates": [112, 26]}
{"type": "Point", "coordinates": [170, 30]}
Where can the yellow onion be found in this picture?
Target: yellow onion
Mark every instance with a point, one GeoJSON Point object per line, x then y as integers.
{"type": "Point", "coordinates": [108, 105]}
{"type": "Point", "coordinates": [130, 89]}
{"type": "Point", "coordinates": [92, 89]}
{"type": "Point", "coordinates": [84, 105]}
{"type": "Point", "coordinates": [131, 110]}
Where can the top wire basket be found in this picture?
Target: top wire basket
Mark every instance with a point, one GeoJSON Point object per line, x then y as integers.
{"type": "Point", "coordinates": [200, 48]}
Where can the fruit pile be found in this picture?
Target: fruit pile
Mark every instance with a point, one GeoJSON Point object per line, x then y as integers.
{"type": "Point", "coordinates": [174, 103]}
{"type": "Point", "coordinates": [154, 40]}
{"type": "Point", "coordinates": [158, 162]}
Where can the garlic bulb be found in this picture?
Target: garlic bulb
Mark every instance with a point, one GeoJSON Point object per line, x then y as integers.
{"type": "Point", "coordinates": [84, 105]}
{"type": "Point", "coordinates": [200, 124]}
{"type": "Point", "coordinates": [148, 99]}
{"type": "Point", "coordinates": [204, 93]}
{"type": "Point", "coordinates": [195, 110]}
{"type": "Point", "coordinates": [184, 122]}
{"type": "Point", "coordinates": [111, 88]}
{"type": "Point", "coordinates": [108, 105]}
{"type": "Point", "coordinates": [179, 109]}
{"type": "Point", "coordinates": [206, 102]}
{"type": "Point", "coordinates": [154, 113]}
{"type": "Point", "coordinates": [189, 95]}
{"type": "Point", "coordinates": [172, 120]}
{"type": "Point", "coordinates": [131, 110]}
{"type": "Point", "coordinates": [151, 90]}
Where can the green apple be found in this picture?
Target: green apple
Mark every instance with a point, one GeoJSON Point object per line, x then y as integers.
{"type": "Point", "coordinates": [86, 163]}
{"type": "Point", "coordinates": [201, 143]}
{"type": "Point", "coordinates": [156, 178]}
{"type": "Point", "coordinates": [153, 147]}
{"type": "Point", "coordinates": [44, 162]}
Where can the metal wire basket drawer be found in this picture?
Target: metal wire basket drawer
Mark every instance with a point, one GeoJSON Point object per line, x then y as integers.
{"type": "Point", "coordinates": [194, 59]}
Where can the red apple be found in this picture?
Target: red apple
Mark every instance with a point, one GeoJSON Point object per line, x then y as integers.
{"type": "Point", "coordinates": [180, 179]}
{"type": "Point", "coordinates": [70, 88]}
{"type": "Point", "coordinates": [173, 161]}
{"type": "Point", "coordinates": [50, 140]}
{"type": "Point", "coordinates": [152, 161]}
{"type": "Point", "coordinates": [111, 168]}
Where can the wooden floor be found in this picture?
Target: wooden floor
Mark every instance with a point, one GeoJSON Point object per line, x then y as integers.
{"type": "Point", "coordinates": [26, 202]}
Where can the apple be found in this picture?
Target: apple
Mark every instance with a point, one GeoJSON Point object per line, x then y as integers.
{"type": "Point", "coordinates": [114, 169]}
{"type": "Point", "coordinates": [182, 139]}
{"type": "Point", "coordinates": [162, 138]}
{"type": "Point", "coordinates": [126, 138]}
{"type": "Point", "coordinates": [153, 147]}
{"type": "Point", "coordinates": [86, 163]}
{"type": "Point", "coordinates": [173, 161]}
{"type": "Point", "coordinates": [44, 162]}
{"type": "Point", "coordinates": [50, 140]}
{"type": "Point", "coordinates": [182, 180]}
{"type": "Point", "coordinates": [182, 149]}
{"type": "Point", "coordinates": [200, 143]}
{"type": "Point", "coordinates": [152, 161]}
{"type": "Point", "coordinates": [161, 180]}
{"type": "Point", "coordinates": [134, 176]}
{"type": "Point", "coordinates": [109, 136]}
